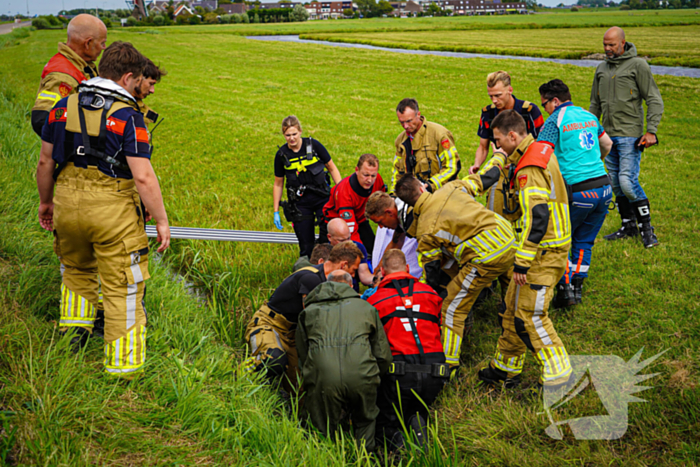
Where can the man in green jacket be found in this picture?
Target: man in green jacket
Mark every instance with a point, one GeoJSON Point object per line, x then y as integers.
{"type": "Point", "coordinates": [621, 82]}
{"type": "Point", "coordinates": [343, 350]}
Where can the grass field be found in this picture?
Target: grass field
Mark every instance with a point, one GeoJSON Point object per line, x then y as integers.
{"type": "Point", "coordinates": [223, 101]}
{"type": "Point", "coordinates": [672, 46]}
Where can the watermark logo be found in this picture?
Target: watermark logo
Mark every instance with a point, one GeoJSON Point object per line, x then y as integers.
{"type": "Point", "coordinates": [613, 380]}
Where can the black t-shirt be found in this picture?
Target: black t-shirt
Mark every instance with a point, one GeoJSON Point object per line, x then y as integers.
{"type": "Point", "coordinates": [319, 149]}
{"type": "Point", "coordinates": [288, 300]}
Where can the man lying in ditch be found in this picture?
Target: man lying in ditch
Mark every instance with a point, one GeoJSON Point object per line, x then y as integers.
{"type": "Point", "coordinates": [271, 331]}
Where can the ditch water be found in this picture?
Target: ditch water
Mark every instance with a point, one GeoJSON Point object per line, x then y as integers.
{"type": "Point", "coordinates": [657, 70]}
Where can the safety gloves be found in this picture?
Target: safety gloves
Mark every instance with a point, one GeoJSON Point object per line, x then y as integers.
{"type": "Point", "coordinates": [278, 221]}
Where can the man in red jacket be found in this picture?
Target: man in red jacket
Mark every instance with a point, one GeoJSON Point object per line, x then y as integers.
{"type": "Point", "coordinates": [349, 197]}
{"type": "Point", "coordinates": [410, 313]}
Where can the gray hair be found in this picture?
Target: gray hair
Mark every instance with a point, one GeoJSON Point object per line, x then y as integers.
{"type": "Point", "coordinates": [340, 276]}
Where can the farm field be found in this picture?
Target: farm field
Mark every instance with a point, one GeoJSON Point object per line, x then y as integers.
{"type": "Point", "coordinates": [223, 101]}
{"type": "Point", "coordinates": [672, 46]}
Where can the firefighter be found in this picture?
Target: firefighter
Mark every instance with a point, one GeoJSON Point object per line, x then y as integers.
{"type": "Point", "coordinates": [543, 240]}
{"type": "Point", "coordinates": [73, 64]}
{"type": "Point", "coordinates": [580, 143]}
{"type": "Point", "coordinates": [271, 331]}
{"type": "Point", "coordinates": [301, 161]}
{"type": "Point", "coordinates": [100, 142]}
{"type": "Point", "coordinates": [456, 234]}
{"type": "Point", "coordinates": [349, 197]}
{"type": "Point", "coordinates": [410, 313]}
{"type": "Point", "coordinates": [424, 149]}
{"type": "Point", "coordinates": [343, 351]}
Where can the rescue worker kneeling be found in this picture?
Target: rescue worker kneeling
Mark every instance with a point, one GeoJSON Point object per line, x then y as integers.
{"type": "Point", "coordinates": [410, 313]}
{"type": "Point", "coordinates": [271, 331]}
{"type": "Point", "coordinates": [100, 142]}
{"type": "Point", "coordinates": [459, 236]}
{"type": "Point", "coordinates": [343, 350]}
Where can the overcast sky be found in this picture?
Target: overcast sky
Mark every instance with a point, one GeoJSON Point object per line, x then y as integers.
{"type": "Point", "coordinates": [45, 7]}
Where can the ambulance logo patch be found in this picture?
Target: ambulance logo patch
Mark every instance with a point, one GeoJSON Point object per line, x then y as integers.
{"type": "Point", "coordinates": [522, 180]}
{"type": "Point", "coordinates": [445, 143]}
{"type": "Point", "coordinates": [64, 89]}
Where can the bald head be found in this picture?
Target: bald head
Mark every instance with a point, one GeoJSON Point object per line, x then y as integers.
{"type": "Point", "coordinates": [338, 231]}
{"type": "Point", "coordinates": [614, 42]}
{"type": "Point", "coordinates": [340, 276]}
{"type": "Point", "coordinates": [87, 36]}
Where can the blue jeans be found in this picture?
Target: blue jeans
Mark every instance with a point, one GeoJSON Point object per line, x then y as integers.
{"type": "Point", "coordinates": [588, 211]}
{"type": "Point", "coordinates": [623, 168]}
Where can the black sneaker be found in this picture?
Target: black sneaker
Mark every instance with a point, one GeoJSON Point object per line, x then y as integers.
{"type": "Point", "coordinates": [649, 237]}
{"type": "Point", "coordinates": [577, 282]}
{"type": "Point", "coordinates": [495, 377]}
{"type": "Point", "coordinates": [628, 229]}
{"type": "Point", "coordinates": [565, 296]}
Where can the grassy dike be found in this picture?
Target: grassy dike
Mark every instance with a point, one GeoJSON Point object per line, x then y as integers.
{"type": "Point", "coordinates": [223, 101]}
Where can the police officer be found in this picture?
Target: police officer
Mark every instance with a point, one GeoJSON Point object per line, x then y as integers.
{"type": "Point", "coordinates": [343, 351]}
{"type": "Point", "coordinates": [410, 313]}
{"type": "Point", "coordinates": [73, 64]}
{"type": "Point", "coordinates": [424, 149]}
{"type": "Point", "coordinates": [270, 333]}
{"type": "Point", "coordinates": [456, 234]}
{"type": "Point", "coordinates": [301, 161]}
{"type": "Point", "coordinates": [580, 143]}
{"type": "Point", "coordinates": [100, 142]}
{"type": "Point", "coordinates": [543, 240]}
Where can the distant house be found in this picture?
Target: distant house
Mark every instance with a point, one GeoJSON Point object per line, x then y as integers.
{"type": "Point", "coordinates": [404, 8]}
{"type": "Point", "coordinates": [182, 9]}
{"type": "Point", "coordinates": [477, 7]}
{"type": "Point", "coordinates": [209, 5]}
{"type": "Point", "coordinates": [327, 10]}
{"type": "Point", "coordinates": [234, 8]}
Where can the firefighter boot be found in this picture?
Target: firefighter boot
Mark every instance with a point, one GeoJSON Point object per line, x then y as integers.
{"type": "Point", "coordinates": [98, 329]}
{"type": "Point", "coordinates": [641, 210]}
{"type": "Point", "coordinates": [419, 428]}
{"type": "Point", "coordinates": [565, 296]}
{"type": "Point", "coordinates": [577, 282]}
{"type": "Point", "coordinates": [629, 223]}
{"type": "Point", "coordinates": [79, 338]}
{"type": "Point", "coordinates": [494, 377]}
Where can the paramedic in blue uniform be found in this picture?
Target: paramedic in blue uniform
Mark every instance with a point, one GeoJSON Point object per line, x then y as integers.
{"type": "Point", "coordinates": [580, 144]}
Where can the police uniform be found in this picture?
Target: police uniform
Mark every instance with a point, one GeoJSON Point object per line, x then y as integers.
{"type": "Point", "coordinates": [533, 122]}
{"type": "Point", "coordinates": [410, 313]}
{"type": "Point", "coordinates": [574, 134]}
{"type": "Point", "coordinates": [456, 233]}
{"type": "Point", "coordinates": [347, 201]}
{"type": "Point", "coordinates": [308, 190]}
{"type": "Point", "coordinates": [543, 239]}
{"type": "Point", "coordinates": [60, 78]}
{"type": "Point", "coordinates": [429, 154]}
{"type": "Point", "coordinates": [270, 333]}
{"type": "Point", "coordinates": [99, 227]}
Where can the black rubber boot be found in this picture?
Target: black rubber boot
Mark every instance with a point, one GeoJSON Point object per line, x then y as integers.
{"type": "Point", "coordinates": [99, 328]}
{"type": "Point", "coordinates": [565, 296]}
{"type": "Point", "coordinates": [419, 428]}
{"type": "Point", "coordinates": [629, 223]}
{"type": "Point", "coordinates": [577, 282]}
{"type": "Point", "coordinates": [495, 377]}
{"type": "Point", "coordinates": [643, 213]}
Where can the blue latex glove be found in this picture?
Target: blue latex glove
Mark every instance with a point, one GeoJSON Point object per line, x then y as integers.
{"type": "Point", "coordinates": [278, 221]}
{"type": "Point", "coordinates": [368, 293]}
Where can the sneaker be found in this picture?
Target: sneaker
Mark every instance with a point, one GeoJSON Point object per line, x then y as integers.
{"type": "Point", "coordinates": [628, 229]}
{"type": "Point", "coordinates": [495, 377]}
{"type": "Point", "coordinates": [649, 237]}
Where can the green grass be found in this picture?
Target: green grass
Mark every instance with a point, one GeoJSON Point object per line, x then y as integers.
{"type": "Point", "coordinates": [223, 100]}
{"type": "Point", "coordinates": [671, 46]}
{"type": "Point", "coordinates": [547, 20]}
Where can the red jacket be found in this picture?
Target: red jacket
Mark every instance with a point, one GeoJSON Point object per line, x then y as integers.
{"type": "Point", "coordinates": [426, 314]}
{"type": "Point", "coordinates": [348, 200]}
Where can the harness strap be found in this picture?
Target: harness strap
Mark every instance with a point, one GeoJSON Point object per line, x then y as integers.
{"type": "Point", "coordinates": [416, 315]}
{"type": "Point", "coordinates": [408, 305]}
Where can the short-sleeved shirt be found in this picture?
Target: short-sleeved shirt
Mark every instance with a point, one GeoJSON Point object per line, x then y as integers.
{"type": "Point", "coordinates": [573, 132]}
{"type": "Point", "coordinates": [288, 298]}
{"type": "Point", "coordinates": [318, 148]}
{"type": "Point", "coordinates": [127, 136]}
{"type": "Point", "coordinates": [309, 197]}
{"type": "Point", "coordinates": [529, 111]}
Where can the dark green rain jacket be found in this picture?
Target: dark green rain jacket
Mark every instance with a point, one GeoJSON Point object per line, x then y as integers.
{"type": "Point", "coordinates": [340, 339]}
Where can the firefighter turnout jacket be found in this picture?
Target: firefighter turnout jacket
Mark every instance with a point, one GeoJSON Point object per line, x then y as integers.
{"type": "Point", "coordinates": [430, 154]}
{"type": "Point", "coordinates": [60, 78]}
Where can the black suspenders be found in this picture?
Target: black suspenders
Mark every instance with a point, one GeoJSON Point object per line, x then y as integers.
{"type": "Point", "coordinates": [408, 304]}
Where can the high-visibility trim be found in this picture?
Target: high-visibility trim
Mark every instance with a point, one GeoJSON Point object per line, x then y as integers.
{"type": "Point", "coordinates": [426, 257]}
{"type": "Point", "coordinates": [49, 96]}
{"type": "Point", "coordinates": [512, 365]}
{"type": "Point", "coordinates": [451, 342]}
{"type": "Point", "coordinates": [555, 363]}
{"type": "Point", "coordinates": [128, 353]}
{"type": "Point", "coordinates": [461, 295]}
{"type": "Point", "coordinates": [75, 310]}
{"type": "Point", "coordinates": [538, 313]}
{"type": "Point", "coordinates": [448, 160]}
